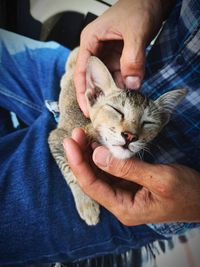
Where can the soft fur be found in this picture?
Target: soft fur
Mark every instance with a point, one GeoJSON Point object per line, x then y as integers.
{"type": "Point", "coordinates": [122, 120]}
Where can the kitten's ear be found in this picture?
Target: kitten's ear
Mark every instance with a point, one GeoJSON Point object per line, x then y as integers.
{"type": "Point", "coordinates": [98, 79]}
{"type": "Point", "coordinates": [168, 102]}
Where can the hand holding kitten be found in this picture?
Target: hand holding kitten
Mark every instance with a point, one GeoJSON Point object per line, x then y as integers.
{"type": "Point", "coordinates": [119, 38]}
{"type": "Point", "coordinates": [167, 193]}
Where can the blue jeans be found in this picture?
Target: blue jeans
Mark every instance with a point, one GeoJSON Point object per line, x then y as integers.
{"type": "Point", "coordinates": [38, 219]}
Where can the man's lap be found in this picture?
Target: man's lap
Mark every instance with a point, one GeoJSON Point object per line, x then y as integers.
{"type": "Point", "coordinates": [39, 221]}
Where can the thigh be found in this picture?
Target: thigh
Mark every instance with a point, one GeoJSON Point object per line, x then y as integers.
{"type": "Point", "coordinates": [30, 72]}
{"type": "Point", "coordinates": [39, 221]}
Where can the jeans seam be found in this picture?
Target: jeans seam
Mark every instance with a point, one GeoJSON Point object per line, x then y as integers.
{"type": "Point", "coordinates": [8, 93]}
{"type": "Point", "coordinates": [75, 250]}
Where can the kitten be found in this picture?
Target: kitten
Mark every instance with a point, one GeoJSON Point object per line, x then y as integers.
{"type": "Point", "coordinates": [124, 121]}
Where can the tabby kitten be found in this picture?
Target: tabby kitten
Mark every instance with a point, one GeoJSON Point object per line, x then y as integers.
{"type": "Point", "coordinates": [124, 121]}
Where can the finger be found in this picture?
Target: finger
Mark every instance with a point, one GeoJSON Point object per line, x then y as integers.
{"type": "Point", "coordinates": [134, 170]}
{"type": "Point", "coordinates": [80, 78]}
{"type": "Point", "coordinates": [132, 62]}
{"type": "Point", "coordinates": [87, 48]}
{"type": "Point", "coordinates": [91, 185]}
{"type": "Point", "coordinates": [79, 136]}
{"type": "Point", "coordinates": [119, 202]}
{"type": "Point", "coordinates": [118, 79]}
{"type": "Point", "coordinates": [77, 162]}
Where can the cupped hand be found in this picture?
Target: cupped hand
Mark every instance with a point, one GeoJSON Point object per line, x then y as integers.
{"type": "Point", "coordinates": [119, 38]}
{"type": "Point", "coordinates": [136, 192]}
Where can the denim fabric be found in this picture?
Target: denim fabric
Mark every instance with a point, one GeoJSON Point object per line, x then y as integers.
{"type": "Point", "coordinates": [38, 219]}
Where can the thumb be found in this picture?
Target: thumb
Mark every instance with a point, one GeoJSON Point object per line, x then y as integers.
{"type": "Point", "coordinates": [132, 62]}
{"type": "Point", "coordinates": [134, 170]}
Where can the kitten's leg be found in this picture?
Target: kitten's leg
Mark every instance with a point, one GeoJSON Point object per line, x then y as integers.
{"type": "Point", "coordinates": [87, 208]}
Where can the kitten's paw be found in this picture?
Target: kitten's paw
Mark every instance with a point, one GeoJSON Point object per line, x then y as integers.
{"type": "Point", "coordinates": [88, 210]}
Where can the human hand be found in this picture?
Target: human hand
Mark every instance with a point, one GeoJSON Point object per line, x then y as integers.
{"type": "Point", "coordinates": [119, 38]}
{"type": "Point", "coordinates": [166, 193]}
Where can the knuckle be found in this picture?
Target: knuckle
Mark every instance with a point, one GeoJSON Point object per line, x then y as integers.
{"type": "Point", "coordinates": [83, 35]}
{"type": "Point", "coordinates": [123, 168]}
{"type": "Point", "coordinates": [125, 219]}
{"type": "Point", "coordinates": [121, 215]}
{"type": "Point", "coordinates": [169, 185]}
{"type": "Point", "coordinates": [86, 32]}
{"type": "Point", "coordinates": [166, 190]}
{"type": "Point", "coordinates": [126, 222]}
{"type": "Point", "coordinates": [133, 63]}
{"type": "Point", "coordinates": [131, 67]}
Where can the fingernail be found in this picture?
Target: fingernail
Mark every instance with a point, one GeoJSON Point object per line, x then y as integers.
{"type": "Point", "coordinates": [132, 82]}
{"type": "Point", "coordinates": [101, 156]}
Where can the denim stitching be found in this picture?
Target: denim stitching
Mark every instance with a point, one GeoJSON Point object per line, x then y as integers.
{"type": "Point", "coordinates": [89, 255]}
{"type": "Point", "coordinates": [8, 93]}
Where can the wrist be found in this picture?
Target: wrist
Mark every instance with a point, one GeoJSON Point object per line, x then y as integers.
{"type": "Point", "coordinates": [189, 185]}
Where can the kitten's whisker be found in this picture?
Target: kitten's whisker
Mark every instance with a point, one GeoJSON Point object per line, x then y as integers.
{"type": "Point", "coordinates": [139, 154]}
{"type": "Point", "coordinates": [142, 151]}
{"type": "Point", "coordinates": [147, 150]}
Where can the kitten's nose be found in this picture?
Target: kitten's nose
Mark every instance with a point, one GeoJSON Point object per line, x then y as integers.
{"type": "Point", "coordinates": [129, 137]}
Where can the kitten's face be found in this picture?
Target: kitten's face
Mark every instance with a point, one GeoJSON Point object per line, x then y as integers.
{"type": "Point", "coordinates": [125, 121]}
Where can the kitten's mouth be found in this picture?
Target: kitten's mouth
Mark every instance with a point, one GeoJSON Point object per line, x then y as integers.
{"type": "Point", "coordinates": [121, 152]}
{"type": "Point", "coordinates": [125, 146]}
{"type": "Point", "coordinates": [122, 147]}
{"type": "Point", "coordinates": [127, 150]}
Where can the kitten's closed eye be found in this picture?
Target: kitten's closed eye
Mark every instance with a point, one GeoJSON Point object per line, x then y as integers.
{"type": "Point", "coordinates": [117, 110]}
{"type": "Point", "coordinates": [145, 123]}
